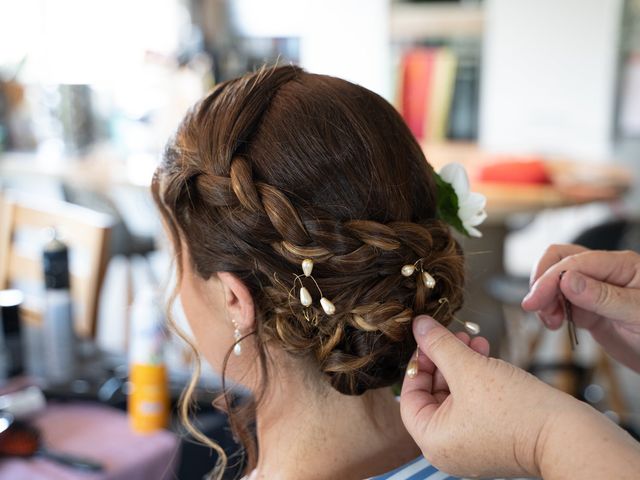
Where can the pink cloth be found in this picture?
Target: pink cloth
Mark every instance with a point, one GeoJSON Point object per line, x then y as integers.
{"type": "Point", "coordinates": [98, 433]}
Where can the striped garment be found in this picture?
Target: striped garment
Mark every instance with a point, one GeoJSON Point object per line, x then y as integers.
{"type": "Point", "coordinates": [418, 469]}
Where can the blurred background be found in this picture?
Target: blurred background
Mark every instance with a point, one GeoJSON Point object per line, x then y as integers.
{"type": "Point", "coordinates": [540, 99]}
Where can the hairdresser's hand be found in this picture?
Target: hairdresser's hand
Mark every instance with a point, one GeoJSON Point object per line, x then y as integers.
{"type": "Point", "coordinates": [477, 416]}
{"type": "Point", "coordinates": [604, 289]}
{"type": "Point", "coordinates": [472, 415]}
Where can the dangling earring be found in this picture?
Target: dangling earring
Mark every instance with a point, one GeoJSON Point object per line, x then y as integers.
{"type": "Point", "coordinates": [237, 348]}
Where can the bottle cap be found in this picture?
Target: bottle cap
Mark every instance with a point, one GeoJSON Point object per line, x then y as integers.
{"type": "Point", "coordinates": [56, 263]}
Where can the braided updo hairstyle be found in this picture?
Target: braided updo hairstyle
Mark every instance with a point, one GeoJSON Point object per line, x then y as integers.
{"type": "Point", "coordinates": [282, 165]}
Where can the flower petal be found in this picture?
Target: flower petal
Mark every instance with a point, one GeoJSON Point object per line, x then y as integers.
{"type": "Point", "coordinates": [456, 175]}
{"type": "Point", "coordinates": [473, 232]}
{"type": "Point", "coordinates": [476, 219]}
{"type": "Point", "coordinates": [476, 200]}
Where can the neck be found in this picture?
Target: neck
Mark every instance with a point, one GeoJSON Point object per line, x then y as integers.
{"type": "Point", "coordinates": [306, 431]}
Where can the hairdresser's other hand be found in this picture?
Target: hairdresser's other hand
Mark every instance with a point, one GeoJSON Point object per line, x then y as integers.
{"type": "Point", "coordinates": [486, 418]}
{"type": "Point", "coordinates": [604, 289]}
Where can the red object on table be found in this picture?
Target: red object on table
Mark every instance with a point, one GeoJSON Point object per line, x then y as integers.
{"type": "Point", "coordinates": [98, 433]}
{"type": "Point", "coordinates": [515, 171]}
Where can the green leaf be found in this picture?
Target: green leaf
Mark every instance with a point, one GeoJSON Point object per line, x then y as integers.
{"type": "Point", "coordinates": [447, 209]}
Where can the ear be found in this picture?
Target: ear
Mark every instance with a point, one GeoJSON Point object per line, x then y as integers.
{"type": "Point", "coordinates": [238, 301]}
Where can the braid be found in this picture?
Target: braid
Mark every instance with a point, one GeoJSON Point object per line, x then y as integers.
{"type": "Point", "coordinates": [381, 306]}
{"type": "Point", "coordinates": [265, 225]}
{"type": "Point", "coordinates": [282, 165]}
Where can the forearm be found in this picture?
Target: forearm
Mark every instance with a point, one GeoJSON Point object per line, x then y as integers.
{"type": "Point", "coordinates": [582, 443]}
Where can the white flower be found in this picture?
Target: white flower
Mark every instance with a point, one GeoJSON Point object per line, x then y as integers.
{"type": "Point", "coordinates": [470, 204]}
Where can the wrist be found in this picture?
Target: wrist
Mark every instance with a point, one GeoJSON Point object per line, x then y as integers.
{"type": "Point", "coordinates": [557, 428]}
{"type": "Point", "coordinates": [582, 443]}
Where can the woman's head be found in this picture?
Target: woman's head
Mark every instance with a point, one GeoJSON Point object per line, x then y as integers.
{"type": "Point", "coordinates": [282, 165]}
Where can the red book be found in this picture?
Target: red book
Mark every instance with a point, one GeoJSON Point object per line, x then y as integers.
{"type": "Point", "coordinates": [506, 170]}
{"type": "Point", "coordinates": [416, 80]}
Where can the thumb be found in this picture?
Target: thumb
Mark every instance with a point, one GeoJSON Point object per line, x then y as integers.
{"type": "Point", "coordinates": [620, 303]}
{"type": "Point", "coordinates": [441, 346]}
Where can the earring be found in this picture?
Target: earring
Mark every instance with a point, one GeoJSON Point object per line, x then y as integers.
{"type": "Point", "coordinates": [427, 279]}
{"type": "Point", "coordinates": [305, 297]}
{"type": "Point", "coordinates": [412, 367]}
{"type": "Point", "coordinates": [237, 348]}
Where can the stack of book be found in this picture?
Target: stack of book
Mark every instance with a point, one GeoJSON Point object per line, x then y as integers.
{"type": "Point", "coordinates": [437, 94]}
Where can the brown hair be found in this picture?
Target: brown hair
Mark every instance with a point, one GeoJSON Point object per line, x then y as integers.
{"type": "Point", "coordinates": [282, 165]}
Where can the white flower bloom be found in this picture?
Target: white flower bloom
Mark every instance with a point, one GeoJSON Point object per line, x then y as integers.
{"type": "Point", "coordinates": [471, 205]}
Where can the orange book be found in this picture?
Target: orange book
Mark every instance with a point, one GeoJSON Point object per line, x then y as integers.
{"type": "Point", "coordinates": [415, 85]}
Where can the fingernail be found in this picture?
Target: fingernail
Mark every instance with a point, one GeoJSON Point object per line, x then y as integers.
{"type": "Point", "coordinates": [526, 297]}
{"type": "Point", "coordinates": [422, 324]}
{"type": "Point", "coordinates": [577, 283]}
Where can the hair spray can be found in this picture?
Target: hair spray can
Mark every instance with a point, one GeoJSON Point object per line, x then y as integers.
{"type": "Point", "coordinates": [58, 334]}
{"type": "Point", "coordinates": [148, 402]}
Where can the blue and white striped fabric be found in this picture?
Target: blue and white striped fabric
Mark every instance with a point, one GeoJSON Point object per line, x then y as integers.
{"type": "Point", "coordinates": [418, 469]}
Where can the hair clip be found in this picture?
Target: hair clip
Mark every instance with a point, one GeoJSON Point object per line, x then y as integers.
{"type": "Point", "coordinates": [427, 279]}
{"type": "Point", "coordinates": [305, 297]}
{"type": "Point", "coordinates": [472, 328]}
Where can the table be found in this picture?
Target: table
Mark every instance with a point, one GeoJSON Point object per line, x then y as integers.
{"type": "Point", "coordinates": [100, 433]}
{"type": "Point", "coordinates": [574, 182]}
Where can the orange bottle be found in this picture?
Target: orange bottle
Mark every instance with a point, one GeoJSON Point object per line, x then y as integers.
{"type": "Point", "coordinates": [148, 403]}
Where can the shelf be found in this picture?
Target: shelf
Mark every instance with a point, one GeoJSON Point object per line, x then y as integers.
{"type": "Point", "coordinates": [412, 21]}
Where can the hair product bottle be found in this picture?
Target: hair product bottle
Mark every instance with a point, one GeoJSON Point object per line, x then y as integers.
{"type": "Point", "coordinates": [59, 339]}
{"type": "Point", "coordinates": [148, 404]}
{"type": "Point", "coordinates": [10, 301]}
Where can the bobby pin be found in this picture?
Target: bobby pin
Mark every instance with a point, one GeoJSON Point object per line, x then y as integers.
{"type": "Point", "coordinates": [568, 314]}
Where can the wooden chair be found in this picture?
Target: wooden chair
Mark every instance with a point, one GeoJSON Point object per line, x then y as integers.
{"type": "Point", "coordinates": [86, 233]}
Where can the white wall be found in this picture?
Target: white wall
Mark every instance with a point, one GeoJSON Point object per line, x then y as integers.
{"type": "Point", "coordinates": [549, 73]}
{"type": "Point", "coordinates": [344, 38]}
{"type": "Point", "coordinates": [349, 39]}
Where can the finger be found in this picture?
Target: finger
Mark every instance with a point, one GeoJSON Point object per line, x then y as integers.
{"type": "Point", "coordinates": [441, 396]}
{"type": "Point", "coordinates": [551, 256]}
{"type": "Point", "coordinates": [480, 345]}
{"type": "Point", "coordinates": [601, 298]}
{"type": "Point", "coordinates": [463, 337]}
{"type": "Point", "coordinates": [439, 382]}
{"type": "Point", "coordinates": [417, 403]}
{"type": "Point", "coordinates": [446, 351]}
{"type": "Point", "coordinates": [553, 315]}
{"type": "Point", "coordinates": [616, 268]}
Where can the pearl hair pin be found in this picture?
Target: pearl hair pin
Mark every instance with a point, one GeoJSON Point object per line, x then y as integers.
{"type": "Point", "coordinates": [427, 278]}
{"type": "Point", "coordinates": [472, 328]}
{"type": "Point", "coordinates": [305, 297]}
{"type": "Point", "coordinates": [412, 367]}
